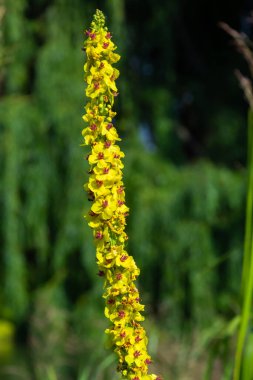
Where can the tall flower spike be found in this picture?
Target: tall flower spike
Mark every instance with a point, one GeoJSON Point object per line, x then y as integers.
{"type": "Point", "coordinates": [107, 216]}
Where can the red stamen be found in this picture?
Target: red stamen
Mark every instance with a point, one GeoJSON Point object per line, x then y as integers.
{"type": "Point", "coordinates": [137, 354]}
{"type": "Point", "coordinates": [108, 35]}
{"type": "Point", "coordinates": [108, 144]}
{"type": "Point", "coordinates": [109, 126]}
{"type": "Point", "coordinates": [119, 276]}
{"type": "Point", "coordinates": [100, 155]}
{"type": "Point", "coordinates": [99, 183]}
{"type": "Point", "coordinates": [121, 314]}
{"type": "Point", "coordinates": [99, 235]}
{"type": "Point", "coordinates": [93, 127]}
{"type": "Point", "coordinates": [105, 45]}
{"type": "Point", "coordinates": [105, 203]}
{"type": "Point", "coordinates": [106, 170]}
{"type": "Point", "coordinates": [123, 258]}
{"type": "Point", "coordinates": [120, 190]}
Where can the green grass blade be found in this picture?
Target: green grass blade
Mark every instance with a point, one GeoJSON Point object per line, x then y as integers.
{"type": "Point", "coordinates": [247, 363]}
{"type": "Point", "coordinates": [249, 205]}
{"type": "Point", "coordinates": [247, 274]}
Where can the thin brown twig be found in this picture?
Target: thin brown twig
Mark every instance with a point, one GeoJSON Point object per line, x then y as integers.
{"type": "Point", "coordinates": [246, 85]}
{"type": "Point", "coordinates": [240, 41]}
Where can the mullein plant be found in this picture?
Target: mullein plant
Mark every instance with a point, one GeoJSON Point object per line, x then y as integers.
{"type": "Point", "coordinates": [107, 216]}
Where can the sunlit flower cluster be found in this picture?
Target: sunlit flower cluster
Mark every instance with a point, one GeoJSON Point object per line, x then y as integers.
{"type": "Point", "coordinates": [107, 216]}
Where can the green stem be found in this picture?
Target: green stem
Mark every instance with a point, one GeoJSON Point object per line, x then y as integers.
{"type": "Point", "coordinates": [249, 207]}
{"type": "Point", "coordinates": [247, 274]}
{"type": "Point", "coordinates": [244, 323]}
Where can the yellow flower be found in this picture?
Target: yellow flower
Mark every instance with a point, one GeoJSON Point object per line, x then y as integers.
{"type": "Point", "coordinates": [94, 220]}
{"type": "Point", "coordinates": [104, 172]}
{"type": "Point", "coordinates": [97, 186]}
{"type": "Point", "coordinates": [101, 236]}
{"type": "Point", "coordinates": [113, 57]}
{"type": "Point", "coordinates": [134, 355]}
{"type": "Point", "coordinates": [104, 206]}
{"type": "Point", "coordinates": [109, 131]}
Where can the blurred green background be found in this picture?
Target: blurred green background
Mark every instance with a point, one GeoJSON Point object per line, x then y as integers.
{"type": "Point", "coordinates": [182, 117]}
